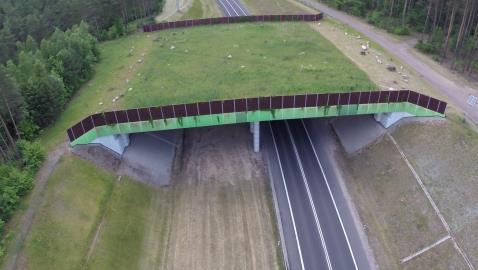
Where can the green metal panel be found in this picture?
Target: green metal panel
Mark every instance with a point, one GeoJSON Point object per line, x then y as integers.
{"type": "Point", "coordinates": [251, 116]}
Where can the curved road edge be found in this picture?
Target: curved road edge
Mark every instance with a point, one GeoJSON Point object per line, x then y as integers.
{"type": "Point", "coordinates": [457, 94]}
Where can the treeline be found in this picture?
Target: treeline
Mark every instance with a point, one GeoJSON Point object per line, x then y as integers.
{"type": "Point", "coordinates": [35, 86]}
{"type": "Point", "coordinates": [39, 18]}
{"type": "Point", "coordinates": [48, 49]}
{"type": "Point", "coordinates": [448, 28]}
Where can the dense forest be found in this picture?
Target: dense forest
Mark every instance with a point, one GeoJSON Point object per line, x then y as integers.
{"type": "Point", "coordinates": [47, 52]}
{"type": "Point", "coordinates": [447, 29]}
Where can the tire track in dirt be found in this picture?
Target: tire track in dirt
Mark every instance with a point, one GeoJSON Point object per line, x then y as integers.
{"type": "Point", "coordinates": [222, 218]}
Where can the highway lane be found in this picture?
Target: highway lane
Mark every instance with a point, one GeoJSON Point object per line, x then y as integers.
{"type": "Point", "coordinates": [311, 202]}
{"type": "Point", "coordinates": [232, 8]}
{"type": "Point", "coordinates": [309, 239]}
{"type": "Point", "coordinates": [336, 238]}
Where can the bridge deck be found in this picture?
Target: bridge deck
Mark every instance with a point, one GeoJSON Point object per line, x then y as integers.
{"type": "Point", "coordinates": [243, 110]}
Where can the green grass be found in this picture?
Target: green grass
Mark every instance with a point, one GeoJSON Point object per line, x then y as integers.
{"type": "Point", "coordinates": [267, 59]}
{"type": "Point", "coordinates": [123, 227]}
{"type": "Point", "coordinates": [194, 12]}
{"type": "Point", "coordinates": [73, 199]}
{"type": "Point", "coordinates": [79, 197]}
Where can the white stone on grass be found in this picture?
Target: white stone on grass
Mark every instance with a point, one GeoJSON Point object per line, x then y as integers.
{"type": "Point", "coordinates": [172, 47]}
{"type": "Point", "coordinates": [130, 89]}
{"type": "Point", "coordinates": [229, 56]}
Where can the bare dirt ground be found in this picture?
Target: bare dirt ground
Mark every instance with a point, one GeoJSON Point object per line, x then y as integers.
{"type": "Point", "coordinates": [223, 216]}
{"type": "Point", "coordinates": [396, 216]}
{"type": "Point", "coordinates": [445, 156]}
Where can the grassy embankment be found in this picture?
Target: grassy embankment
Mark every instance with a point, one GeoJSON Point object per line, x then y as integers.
{"type": "Point", "coordinates": [81, 199]}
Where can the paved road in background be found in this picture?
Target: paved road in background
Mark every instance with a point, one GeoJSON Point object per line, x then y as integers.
{"type": "Point", "coordinates": [456, 93]}
{"type": "Point", "coordinates": [232, 8]}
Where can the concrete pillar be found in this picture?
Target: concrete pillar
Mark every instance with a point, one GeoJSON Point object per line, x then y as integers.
{"type": "Point", "coordinates": [388, 119]}
{"type": "Point", "coordinates": [116, 143]}
{"type": "Point", "coordinates": [251, 127]}
{"type": "Point", "coordinates": [256, 136]}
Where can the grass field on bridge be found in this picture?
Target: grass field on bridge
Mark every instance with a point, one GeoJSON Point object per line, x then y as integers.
{"type": "Point", "coordinates": [204, 63]}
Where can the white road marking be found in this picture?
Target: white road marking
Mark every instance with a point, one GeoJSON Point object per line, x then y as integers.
{"type": "Point", "coordinates": [432, 202]}
{"type": "Point", "coordinates": [224, 7]}
{"type": "Point", "coordinates": [239, 6]}
{"type": "Point", "coordinates": [330, 192]}
{"type": "Point", "coordinates": [311, 201]}
{"type": "Point", "coordinates": [233, 9]}
{"type": "Point", "coordinates": [425, 249]}
{"type": "Point", "coordinates": [288, 198]}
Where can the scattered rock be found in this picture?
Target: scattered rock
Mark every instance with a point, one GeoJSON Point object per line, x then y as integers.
{"type": "Point", "coordinates": [101, 103]}
{"type": "Point", "coordinates": [379, 61]}
{"type": "Point", "coordinates": [243, 66]}
{"type": "Point", "coordinates": [391, 89]}
{"type": "Point", "coordinates": [140, 60]}
{"type": "Point", "coordinates": [172, 47]}
{"type": "Point", "coordinates": [346, 33]}
{"type": "Point", "coordinates": [186, 51]}
{"type": "Point", "coordinates": [127, 81]}
{"type": "Point", "coordinates": [229, 56]}
{"type": "Point", "coordinates": [130, 89]}
{"type": "Point", "coordinates": [318, 23]}
{"type": "Point", "coordinates": [301, 53]}
{"type": "Point", "coordinates": [391, 68]}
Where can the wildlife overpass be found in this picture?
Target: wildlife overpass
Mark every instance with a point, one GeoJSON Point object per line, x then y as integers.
{"type": "Point", "coordinates": [111, 128]}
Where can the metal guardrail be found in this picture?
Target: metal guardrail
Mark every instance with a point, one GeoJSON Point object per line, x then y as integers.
{"type": "Point", "coordinates": [229, 20]}
{"type": "Point", "coordinates": [252, 104]}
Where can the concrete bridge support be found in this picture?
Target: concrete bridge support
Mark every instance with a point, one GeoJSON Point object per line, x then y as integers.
{"type": "Point", "coordinates": [116, 143]}
{"type": "Point", "coordinates": [388, 119]}
{"type": "Point", "coordinates": [255, 128]}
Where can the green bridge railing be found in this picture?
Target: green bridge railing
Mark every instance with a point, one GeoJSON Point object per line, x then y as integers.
{"type": "Point", "coordinates": [243, 110]}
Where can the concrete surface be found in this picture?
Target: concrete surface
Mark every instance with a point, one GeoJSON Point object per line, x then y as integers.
{"type": "Point", "coordinates": [357, 132]}
{"type": "Point", "coordinates": [149, 157]}
{"type": "Point", "coordinates": [116, 143]}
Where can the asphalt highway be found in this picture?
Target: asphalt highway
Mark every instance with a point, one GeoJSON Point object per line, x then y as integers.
{"type": "Point", "coordinates": [311, 226]}
{"type": "Point", "coordinates": [317, 238]}
{"type": "Point", "coordinates": [232, 8]}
